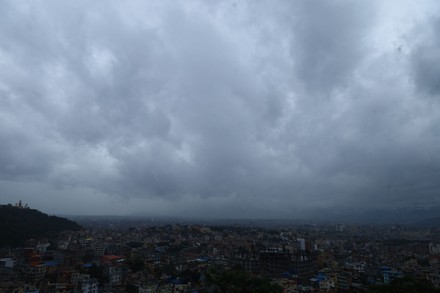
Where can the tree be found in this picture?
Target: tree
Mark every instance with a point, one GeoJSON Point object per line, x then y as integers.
{"type": "Point", "coordinates": [235, 281]}
{"type": "Point", "coordinates": [406, 284]}
{"type": "Point", "coordinates": [136, 264]}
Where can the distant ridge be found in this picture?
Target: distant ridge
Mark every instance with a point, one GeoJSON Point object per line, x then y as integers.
{"type": "Point", "coordinates": [401, 216]}
{"type": "Point", "coordinates": [429, 223]}
{"type": "Point", "coordinates": [18, 224]}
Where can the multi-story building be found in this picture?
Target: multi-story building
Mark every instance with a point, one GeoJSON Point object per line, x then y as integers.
{"type": "Point", "coordinates": [89, 285]}
{"type": "Point", "coordinates": [35, 273]}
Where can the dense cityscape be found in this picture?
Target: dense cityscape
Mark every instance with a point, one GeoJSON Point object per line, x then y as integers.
{"type": "Point", "coordinates": [219, 146]}
{"type": "Point", "coordinates": [159, 255]}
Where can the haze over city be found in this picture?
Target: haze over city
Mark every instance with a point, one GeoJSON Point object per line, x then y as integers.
{"type": "Point", "coordinates": [243, 109]}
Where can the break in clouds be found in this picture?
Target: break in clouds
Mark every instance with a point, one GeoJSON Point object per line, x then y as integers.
{"type": "Point", "coordinates": [219, 108]}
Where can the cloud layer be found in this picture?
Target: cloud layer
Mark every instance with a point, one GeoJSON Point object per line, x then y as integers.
{"type": "Point", "coordinates": [219, 108]}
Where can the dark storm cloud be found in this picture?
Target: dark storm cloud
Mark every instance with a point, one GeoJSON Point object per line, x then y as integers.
{"type": "Point", "coordinates": [243, 109]}
{"type": "Point", "coordinates": [426, 58]}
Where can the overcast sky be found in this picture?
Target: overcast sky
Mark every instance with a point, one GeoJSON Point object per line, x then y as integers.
{"type": "Point", "coordinates": [219, 108]}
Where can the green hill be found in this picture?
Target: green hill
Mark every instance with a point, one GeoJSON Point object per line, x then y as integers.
{"type": "Point", "coordinates": [20, 224]}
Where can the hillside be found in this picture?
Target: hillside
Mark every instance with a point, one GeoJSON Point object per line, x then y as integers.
{"type": "Point", "coordinates": [20, 224]}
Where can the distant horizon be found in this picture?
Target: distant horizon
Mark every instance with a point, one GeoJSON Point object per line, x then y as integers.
{"type": "Point", "coordinates": [404, 215]}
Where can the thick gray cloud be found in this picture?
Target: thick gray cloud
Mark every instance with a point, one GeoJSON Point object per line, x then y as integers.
{"type": "Point", "coordinates": [426, 57]}
{"type": "Point", "coordinates": [219, 108]}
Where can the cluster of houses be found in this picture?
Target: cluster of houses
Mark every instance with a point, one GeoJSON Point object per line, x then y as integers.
{"type": "Point", "coordinates": [179, 258]}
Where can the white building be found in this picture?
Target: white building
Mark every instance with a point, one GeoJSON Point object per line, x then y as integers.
{"type": "Point", "coordinates": [434, 249]}
{"type": "Point", "coordinates": [6, 263]}
{"type": "Point", "coordinates": [301, 243]}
